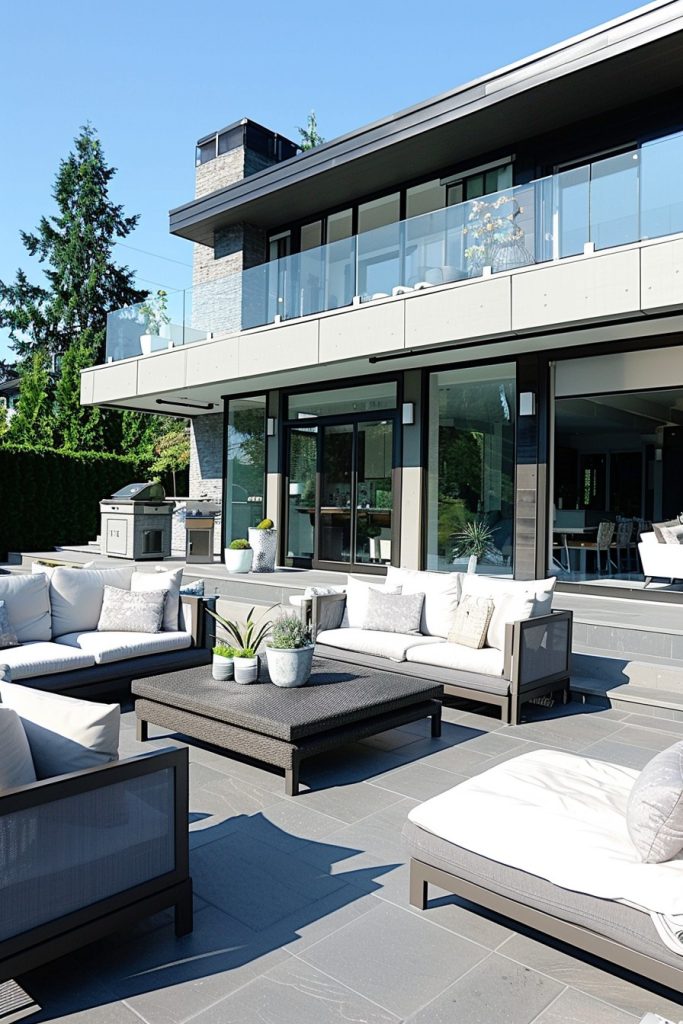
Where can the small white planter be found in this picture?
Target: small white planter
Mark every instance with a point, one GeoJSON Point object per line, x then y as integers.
{"type": "Point", "coordinates": [246, 670]}
{"type": "Point", "coordinates": [264, 545]}
{"type": "Point", "coordinates": [289, 666]}
{"type": "Point", "coordinates": [238, 560]}
{"type": "Point", "coordinates": [221, 668]}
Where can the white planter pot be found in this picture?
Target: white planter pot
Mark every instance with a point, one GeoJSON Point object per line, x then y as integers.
{"type": "Point", "coordinates": [221, 668]}
{"type": "Point", "coordinates": [472, 563]}
{"type": "Point", "coordinates": [246, 670]}
{"type": "Point", "coordinates": [289, 667]}
{"type": "Point", "coordinates": [238, 560]}
{"type": "Point", "coordinates": [146, 343]}
{"type": "Point", "coordinates": [264, 546]}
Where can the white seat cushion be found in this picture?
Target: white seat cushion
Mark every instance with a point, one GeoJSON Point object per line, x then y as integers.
{"type": "Point", "coordinates": [76, 596]}
{"type": "Point", "coordinates": [117, 646]}
{"type": "Point", "coordinates": [441, 591]}
{"type": "Point", "coordinates": [44, 659]}
{"type": "Point", "coordinates": [375, 642]}
{"type": "Point", "coordinates": [487, 660]}
{"type": "Point", "coordinates": [27, 600]}
{"type": "Point", "coordinates": [493, 586]}
{"type": "Point", "coordinates": [169, 582]}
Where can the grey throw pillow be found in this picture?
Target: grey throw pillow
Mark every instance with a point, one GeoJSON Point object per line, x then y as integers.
{"type": "Point", "coordinates": [662, 531]}
{"type": "Point", "coordinates": [471, 621]}
{"type": "Point", "coordinates": [8, 638]}
{"type": "Point", "coordinates": [654, 814]}
{"type": "Point", "coordinates": [127, 611]}
{"type": "Point", "coordinates": [393, 613]}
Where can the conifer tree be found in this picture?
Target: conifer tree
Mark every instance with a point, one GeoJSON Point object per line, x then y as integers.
{"type": "Point", "coordinates": [33, 422]}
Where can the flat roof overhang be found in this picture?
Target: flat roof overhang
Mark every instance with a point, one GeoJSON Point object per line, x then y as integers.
{"type": "Point", "coordinates": [625, 61]}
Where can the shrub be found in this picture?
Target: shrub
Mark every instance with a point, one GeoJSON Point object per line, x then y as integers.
{"type": "Point", "coordinates": [289, 633]}
{"type": "Point", "coordinates": [245, 652]}
{"type": "Point", "coordinates": [239, 545]}
{"type": "Point", "coordinates": [266, 524]}
{"type": "Point", "coordinates": [224, 651]}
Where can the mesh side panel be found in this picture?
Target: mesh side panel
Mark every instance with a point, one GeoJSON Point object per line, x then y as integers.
{"type": "Point", "coordinates": [543, 650]}
{"type": "Point", "coordinates": [65, 855]}
{"type": "Point", "coordinates": [330, 615]}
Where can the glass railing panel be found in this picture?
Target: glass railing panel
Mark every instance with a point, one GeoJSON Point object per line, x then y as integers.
{"type": "Point", "coordinates": [379, 261]}
{"type": "Point", "coordinates": [571, 211]}
{"type": "Point", "coordinates": [614, 191]}
{"type": "Point", "coordinates": [661, 196]}
{"type": "Point", "coordinates": [151, 326]}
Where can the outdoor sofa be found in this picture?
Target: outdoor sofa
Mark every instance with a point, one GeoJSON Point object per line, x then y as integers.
{"type": "Point", "coordinates": [526, 656]}
{"type": "Point", "coordinates": [89, 844]}
{"type": "Point", "coordinates": [54, 614]}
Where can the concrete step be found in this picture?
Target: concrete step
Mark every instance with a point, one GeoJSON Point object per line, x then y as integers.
{"type": "Point", "coordinates": [643, 699]}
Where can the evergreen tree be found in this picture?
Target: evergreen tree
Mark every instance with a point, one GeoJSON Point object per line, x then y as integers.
{"type": "Point", "coordinates": [310, 136]}
{"type": "Point", "coordinates": [33, 422]}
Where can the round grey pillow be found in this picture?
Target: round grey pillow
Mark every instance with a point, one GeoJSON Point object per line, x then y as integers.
{"type": "Point", "coordinates": [654, 814]}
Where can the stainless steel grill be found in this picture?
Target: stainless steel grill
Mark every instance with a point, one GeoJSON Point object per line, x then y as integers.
{"type": "Point", "coordinates": [136, 522]}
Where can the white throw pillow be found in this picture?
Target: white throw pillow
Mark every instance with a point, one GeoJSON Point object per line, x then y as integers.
{"type": "Point", "coordinates": [356, 608]}
{"type": "Point", "coordinates": [442, 594]}
{"type": "Point", "coordinates": [76, 596]}
{"type": "Point", "coordinates": [508, 608]}
{"type": "Point", "coordinates": [16, 763]}
{"type": "Point", "coordinates": [28, 606]}
{"type": "Point", "coordinates": [64, 734]}
{"type": "Point", "coordinates": [169, 582]}
{"type": "Point", "coordinates": [126, 612]}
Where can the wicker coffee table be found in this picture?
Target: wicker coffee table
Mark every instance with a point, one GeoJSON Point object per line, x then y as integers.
{"type": "Point", "coordinates": [281, 727]}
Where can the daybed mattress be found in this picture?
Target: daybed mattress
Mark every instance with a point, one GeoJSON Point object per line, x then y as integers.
{"type": "Point", "coordinates": [631, 927]}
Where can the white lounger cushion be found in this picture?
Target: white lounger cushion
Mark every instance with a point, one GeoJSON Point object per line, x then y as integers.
{"type": "Point", "coordinates": [76, 596]}
{"type": "Point", "coordinates": [117, 646]}
{"type": "Point", "coordinates": [27, 600]}
{"type": "Point", "coordinates": [44, 659]}
{"type": "Point", "coordinates": [487, 660]}
{"type": "Point", "coordinates": [561, 817]}
{"type": "Point", "coordinates": [441, 591]}
{"type": "Point", "coordinates": [374, 642]}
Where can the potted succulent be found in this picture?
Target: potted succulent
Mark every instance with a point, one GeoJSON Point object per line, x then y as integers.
{"type": "Point", "coordinates": [154, 312]}
{"type": "Point", "coordinates": [473, 541]}
{"type": "Point", "coordinates": [263, 540]}
{"type": "Point", "coordinates": [238, 556]}
{"type": "Point", "coordinates": [222, 664]}
{"type": "Point", "coordinates": [290, 652]}
{"type": "Point", "coordinates": [247, 638]}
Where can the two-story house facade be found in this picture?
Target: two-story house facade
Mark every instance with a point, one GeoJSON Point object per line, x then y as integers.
{"type": "Point", "coordinates": [455, 331]}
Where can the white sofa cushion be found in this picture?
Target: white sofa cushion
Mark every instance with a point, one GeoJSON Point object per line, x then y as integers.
{"type": "Point", "coordinates": [16, 763]}
{"type": "Point", "coordinates": [76, 596]}
{"type": "Point", "coordinates": [169, 582]}
{"type": "Point", "coordinates": [43, 658]}
{"type": "Point", "coordinates": [374, 642]}
{"type": "Point", "coordinates": [64, 734]}
{"type": "Point", "coordinates": [117, 646]}
{"type": "Point", "coordinates": [508, 608]}
{"type": "Point", "coordinates": [27, 599]}
{"type": "Point", "coordinates": [442, 594]}
{"type": "Point", "coordinates": [8, 638]}
{"type": "Point", "coordinates": [357, 600]}
{"type": "Point", "coordinates": [487, 660]}
{"type": "Point", "coordinates": [492, 586]}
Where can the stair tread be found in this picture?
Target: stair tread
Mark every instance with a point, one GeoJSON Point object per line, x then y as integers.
{"type": "Point", "coordinates": [638, 693]}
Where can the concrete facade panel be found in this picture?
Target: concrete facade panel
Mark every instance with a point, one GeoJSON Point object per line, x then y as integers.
{"type": "Point", "coordinates": [620, 371]}
{"type": "Point", "coordinates": [161, 372]}
{"type": "Point", "coordinates": [87, 387]}
{"type": "Point", "coordinates": [367, 330]}
{"type": "Point", "coordinates": [583, 290]}
{"type": "Point", "coordinates": [279, 348]}
{"type": "Point", "coordinates": [473, 310]}
{"type": "Point", "coordinates": [115, 382]}
{"type": "Point", "coordinates": [661, 269]}
{"type": "Point", "coordinates": [212, 362]}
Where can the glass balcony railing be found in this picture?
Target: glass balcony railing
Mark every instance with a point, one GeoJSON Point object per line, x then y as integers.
{"type": "Point", "coordinates": [619, 199]}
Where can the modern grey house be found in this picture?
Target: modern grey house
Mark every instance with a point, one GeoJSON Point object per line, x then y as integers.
{"type": "Point", "coordinates": [464, 317]}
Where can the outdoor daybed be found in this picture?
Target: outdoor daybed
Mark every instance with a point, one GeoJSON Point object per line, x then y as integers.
{"type": "Point", "coordinates": [527, 648]}
{"type": "Point", "coordinates": [51, 640]}
{"type": "Point", "coordinates": [569, 846]}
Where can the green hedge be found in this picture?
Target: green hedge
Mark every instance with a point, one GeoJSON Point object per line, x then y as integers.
{"type": "Point", "coordinates": [52, 497]}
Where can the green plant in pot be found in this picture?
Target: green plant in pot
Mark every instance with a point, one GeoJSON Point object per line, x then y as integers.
{"type": "Point", "coordinates": [154, 313]}
{"type": "Point", "coordinates": [473, 541]}
{"type": "Point", "coordinates": [290, 652]}
{"type": "Point", "coordinates": [263, 539]}
{"type": "Point", "coordinates": [248, 637]}
{"type": "Point", "coordinates": [238, 556]}
{"type": "Point", "coordinates": [222, 664]}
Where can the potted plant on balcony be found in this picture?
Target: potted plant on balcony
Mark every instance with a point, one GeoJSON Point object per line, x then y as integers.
{"type": "Point", "coordinates": [263, 540]}
{"type": "Point", "coordinates": [473, 541]}
{"type": "Point", "coordinates": [238, 556]}
{"type": "Point", "coordinates": [154, 312]}
{"type": "Point", "coordinates": [248, 637]}
{"type": "Point", "coordinates": [290, 652]}
{"type": "Point", "coordinates": [222, 664]}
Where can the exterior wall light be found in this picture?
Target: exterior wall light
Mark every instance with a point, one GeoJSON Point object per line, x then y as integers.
{"type": "Point", "coordinates": [408, 414]}
{"type": "Point", "coordinates": [527, 403]}
{"type": "Point", "coordinates": [270, 426]}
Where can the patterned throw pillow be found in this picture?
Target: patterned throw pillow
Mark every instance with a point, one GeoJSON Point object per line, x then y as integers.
{"type": "Point", "coordinates": [194, 589]}
{"type": "Point", "coordinates": [8, 638]}
{"type": "Point", "coordinates": [471, 621]}
{"type": "Point", "coordinates": [393, 613]}
{"type": "Point", "coordinates": [126, 611]}
{"type": "Point", "coordinates": [654, 814]}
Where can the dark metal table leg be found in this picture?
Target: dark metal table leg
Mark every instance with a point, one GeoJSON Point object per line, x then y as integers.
{"type": "Point", "coordinates": [436, 724]}
{"type": "Point", "coordinates": [141, 730]}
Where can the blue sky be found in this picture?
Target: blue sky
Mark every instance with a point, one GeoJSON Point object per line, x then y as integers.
{"type": "Point", "coordinates": [153, 78]}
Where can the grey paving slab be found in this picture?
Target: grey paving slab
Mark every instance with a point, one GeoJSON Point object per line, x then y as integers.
{"type": "Point", "coordinates": [289, 823]}
{"type": "Point", "coordinates": [621, 753]}
{"type": "Point", "coordinates": [394, 958]}
{"type": "Point", "coordinates": [572, 1007]}
{"type": "Point", "coordinates": [459, 758]}
{"type": "Point", "coordinates": [418, 781]}
{"type": "Point", "coordinates": [348, 802]}
{"type": "Point", "coordinates": [496, 990]}
{"type": "Point", "coordinates": [226, 796]}
{"type": "Point", "coordinates": [299, 993]}
{"type": "Point", "coordinates": [651, 739]}
{"type": "Point", "coordinates": [655, 722]}
{"type": "Point", "coordinates": [391, 740]}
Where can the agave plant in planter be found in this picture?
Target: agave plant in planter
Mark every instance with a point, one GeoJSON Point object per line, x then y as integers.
{"type": "Point", "coordinates": [263, 539]}
{"type": "Point", "coordinates": [473, 541]}
{"type": "Point", "coordinates": [248, 636]}
{"type": "Point", "coordinates": [290, 652]}
{"type": "Point", "coordinates": [238, 556]}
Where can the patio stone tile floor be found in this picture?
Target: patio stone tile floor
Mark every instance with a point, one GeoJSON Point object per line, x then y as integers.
{"type": "Point", "coordinates": [301, 907]}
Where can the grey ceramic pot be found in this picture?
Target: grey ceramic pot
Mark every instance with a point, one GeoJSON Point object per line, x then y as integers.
{"type": "Point", "coordinates": [289, 667]}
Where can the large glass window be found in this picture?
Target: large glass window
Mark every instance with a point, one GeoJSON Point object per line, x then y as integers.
{"type": "Point", "coordinates": [369, 398]}
{"type": "Point", "coordinates": [245, 485]}
{"type": "Point", "coordinates": [471, 469]}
